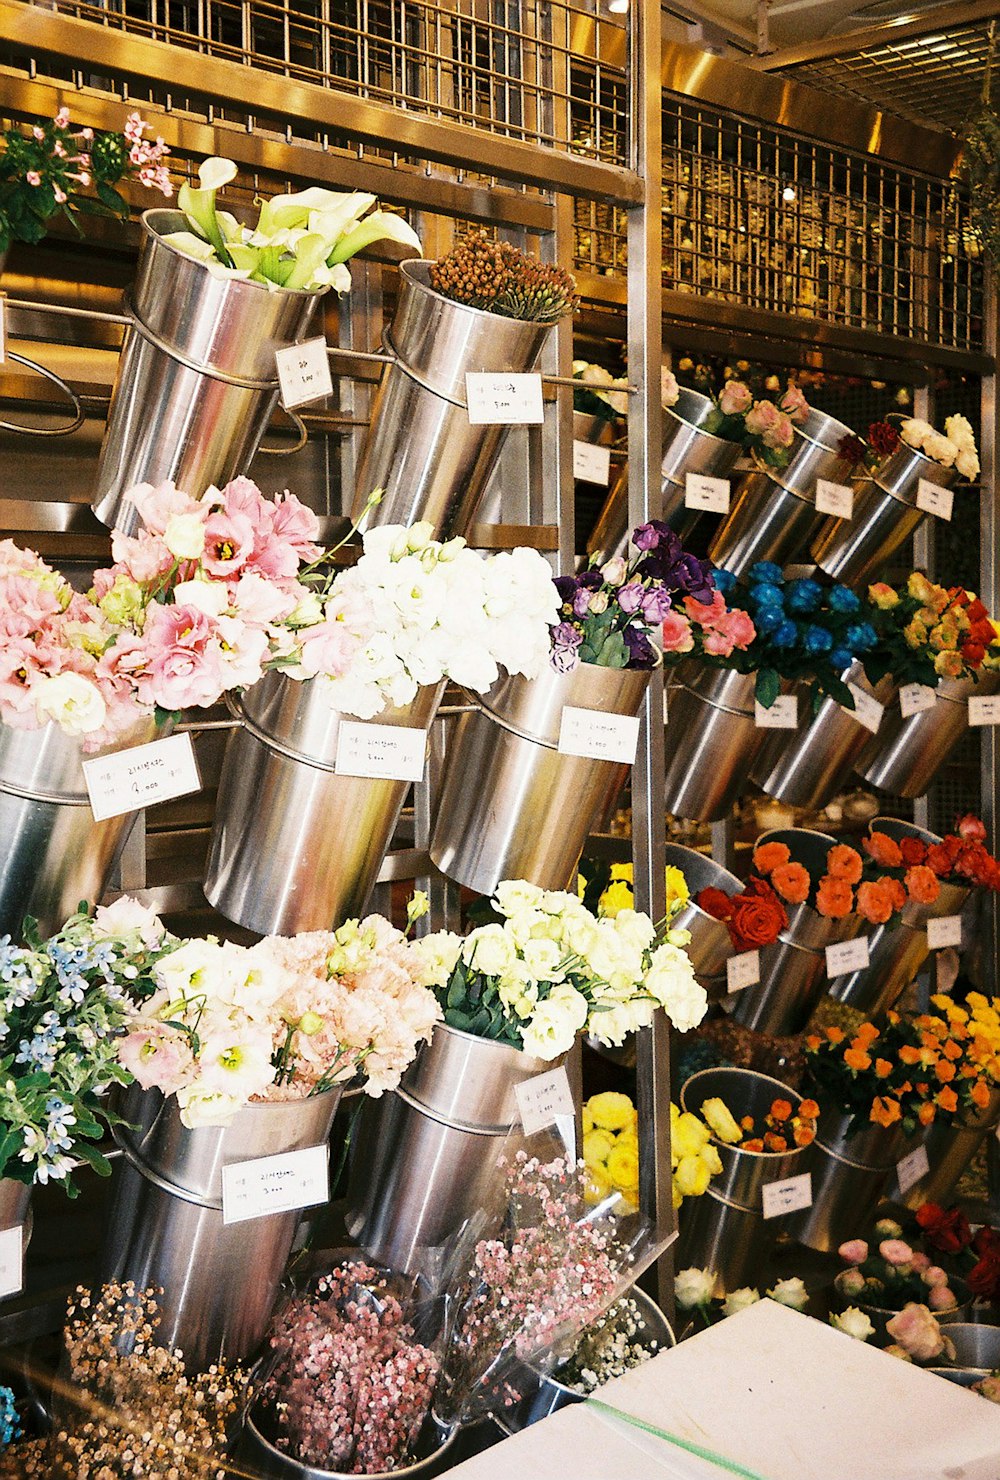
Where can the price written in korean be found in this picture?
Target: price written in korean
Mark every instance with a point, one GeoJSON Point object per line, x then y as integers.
{"type": "Point", "coordinates": [783, 714]}
{"type": "Point", "coordinates": [914, 698]}
{"type": "Point", "coordinates": [711, 495]}
{"type": "Point", "coordinates": [591, 463]}
{"type": "Point", "coordinates": [391, 752]}
{"type": "Point", "coordinates": [944, 932]}
{"type": "Point", "coordinates": [910, 1170]}
{"type": "Point", "coordinates": [598, 736]}
{"type": "Point", "coordinates": [846, 956]}
{"type": "Point", "coordinates": [275, 1184]}
{"type": "Point", "coordinates": [544, 1100]}
{"type": "Point", "coordinates": [303, 372]}
{"type": "Point", "coordinates": [11, 1261]}
{"type": "Point", "coordinates": [934, 499]}
{"type": "Point", "coordinates": [867, 711]}
{"type": "Point", "coordinates": [984, 709]}
{"type": "Point", "coordinates": [139, 777]}
{"type": "Point", "coordinates": [834, 498]}
{"type": "Point", "coordinates": [788, 1196]}
{"type": "Point", "coordinates": [742, 971]}
{"type": "Point", "coordinates": [503, 400]}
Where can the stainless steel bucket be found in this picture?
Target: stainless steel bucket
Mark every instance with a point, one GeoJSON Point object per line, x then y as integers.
{"type": "Point", "coordinates": [808, 766]}
{"type": "Point", "coordinates": [424, 1159]}
{"type": "Point", "coordinates": [950, 1149]}
{"type": "Point", "coordinates": [773, 516]}
{"type": "Point", "coordinates": [54, 853]}
{"type": "Point", "coordinates": [420, 449]}
{"type": "Point", "coordinates": [166, 1229]}
{"type": "Point", "coordinates": [711, 741]}
{"type": "Point", "coordinates": [687, 448]}
{"type": "Point", "coordinates": [265, 1461]}
{"type": "Point", "coordinates": [196, 383]}
{"type": "Point", "coordinates": [885, 516]}
{"type": "Point", "coordinates": [906, 754]}
{"type": "Point", "coordinates": [294, 845]}
{"type": "Point", "coordinates": [881, 1315]}
{"type": "Point", "coordinates": [725, 1230]}
{"type": "Point", "coordinates": [512, 806]}
{"type": "Point", "coordinates": [850, 1175]}
{"type": "Point", "coordinates": [976, 1345]}
{"type": "Point", "coordinates": [710, 946]}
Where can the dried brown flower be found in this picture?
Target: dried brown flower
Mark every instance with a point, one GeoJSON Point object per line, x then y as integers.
{"type": "Point", "coordinates": [497, 277]}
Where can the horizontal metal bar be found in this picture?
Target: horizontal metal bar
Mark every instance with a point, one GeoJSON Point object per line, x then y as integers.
{"type": "Point", "coordinates": [198, 726]}
{"type": "Point", "coordinates": [63, 310]}
{"type": "Point", "coordinates": [507, 536]}
{"type": "Point", "coordinates": [905, 27]}
{"type": "Point", "coordinates": [31, 30]}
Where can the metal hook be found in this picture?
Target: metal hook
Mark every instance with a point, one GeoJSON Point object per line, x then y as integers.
{"type": "Point", "coordinates": [63, 431]}
{"type": "Point", "coordinates": [297, 446]}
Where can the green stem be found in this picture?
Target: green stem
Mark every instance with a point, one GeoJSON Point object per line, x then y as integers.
{"type": "Point", "coordinates": [711, 1455]}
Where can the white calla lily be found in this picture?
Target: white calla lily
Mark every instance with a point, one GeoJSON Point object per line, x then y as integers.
{"type": "Point", "coordinates": [215, 172]}
{"type": "Point", "coordinates": [379, 226]}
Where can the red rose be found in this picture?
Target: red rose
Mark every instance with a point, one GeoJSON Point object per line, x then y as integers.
{"type": "Point", "coordinates": [983, 1278]}
{"type": "Point", "coordinates": [914, 851]}
{"type": "Point", "coordinates": [947, 1232]}
{"type": "Point", "coordinates": [986, 1240]}
{"type": "Point", "coordinates": [970, 829]}
{"type": "Point", "coordinates": [757, 918]}
{"type": "Point", "coordinates": [883, 437]}
{"type": "Point", "coordinates": [714, 902]}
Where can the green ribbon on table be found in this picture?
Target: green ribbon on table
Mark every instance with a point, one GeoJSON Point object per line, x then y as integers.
{"type": "Point", "coordinates": [713, 1457]}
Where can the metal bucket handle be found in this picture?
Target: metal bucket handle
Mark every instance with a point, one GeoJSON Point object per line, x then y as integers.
{"type": "Point", "coordinates": [147, 1173]}
{"type": "Point", "coordinates": [411, 374]}
{"type": "Point", "coordinates": [212, 371]}
{"type": "Point", "coordinates": [235, 707]}
{"type": "Point", "coordinates": [302, 437]}
{"type": "Point", "coordinates": [78, 412]}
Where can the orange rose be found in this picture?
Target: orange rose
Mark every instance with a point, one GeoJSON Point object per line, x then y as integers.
{"type": "Point", "coordinates": [895, 893]}
{"type": "Point", "coordinates": [922, 884]}
{"type": "Point", "coordinates": [836, 1035]}
{"type": "Point", "coordinates": [951, 1049]}
{"type": "Point", "coordinates": [856, 1058]}
{"type": "Point", "coordinates": [781, 1110]}
{"type": "Point", "coordinates": [844, 863]}
{"type": "Point", "coordinates": [805, 1135]}
{"type": "Point", "coordinates": [981, 1094]}
{"type": "Point", "coordinates": [813, 1041]}
{"type": "Point", "coordinates": [885, 1111]}
{"type": "Point", "coordinates": [947, 1099]}
{"type": "Point", "coordinates": [792, 882]}
{"type": "Point", "coordinates": [809, 1110]}
{"type": "Point", "coordinates": [927, 1112]}
{"type": "Point", "coordinates": [873, 903]}
{"type": "Point", "coordinates": [883, 1068]}
{"type": "Point", "coordinates": [834, 897]}
{"type": "Point", "coordinates": [866, 1034]}
{"type": "Point", "coordinates": [944, 1070]}
{"type": "Point", "coordinates": [769, 856]}
{"type": "Point", "coordinates": [883, 849]}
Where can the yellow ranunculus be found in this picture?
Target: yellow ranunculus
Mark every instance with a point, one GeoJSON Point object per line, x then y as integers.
{"type": "Point", "coordinates": [596, 1186]}
{"type": "Point", "coordinates": [617, 896]}
{"type": "Point", "coordinates": [631, 1195]}
{"type": "Point", "coordinates": [611, 1111]}
{"type": "Point", "coordinates": [623, 1165]}
{"type": "Point", "coordinates": [689, 1136]}
{"type": "Point", "coordinates": [588, 1119]}
{"type": "Point", "coordinates": [596, 1146]}
{"type": "Point", "coordinates": [678, 892]}
{"type": "Point", "coordinates": [692, 1176]}
{"type": "Point", "coordinates": [721, 1122]}
{"type": "Point", "coordinates": [676, 1193]}
{"type": "Point", "coordinates": [712, 1159]}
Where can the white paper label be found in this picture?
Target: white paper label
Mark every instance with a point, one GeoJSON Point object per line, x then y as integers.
{"type": "Point", "coordinates": [3, 327]}
{"type": "Point", "coordinates": [11, 1261]}
{"type": "Point", "coordinates": [544, 1100]}
{"type": "Point", "coordinates": [782, 715]}
{"type": "Point", "coordinates": [391, 752]}
{"type": "Point", "coordinates": [303, 372]}
{"type": "Point", "coordinates": [742, 971]}
{"type": "Point", "coordinates": [943, 932]}
{"type": "Point", "coordinates": [275, 1184]}
{"type": "Point", "coordinates": [140, 777]}
{"type": "Point", "coordinates": [984, 709]}
{"type": "Point", "coordinates": [910, 1170]}
{"type": "Point", "coordinates": [914, 698]}
{"type": "Point", "coordinates": [591, 463]}
{"type": "Point", "coordinates": [934, 499]}
{"type": "Point", "coordinates": [787, 1196]}
{"type": "Point", "coordinates": [834, 498]}
{"type": "Point", "coordinates": [598, 736]}
{"type": "Point", "coordinates": [709, 494]}
{"type": "Point", "coordinates": [867, 711]}
{"type": "Point", "coordinates": [503, 400]}
{"type": "Point", "coordinates": [847, 955]}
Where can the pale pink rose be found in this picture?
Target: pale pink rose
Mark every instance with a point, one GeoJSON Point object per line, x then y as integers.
{"type": "Point", "coordinates": [143, 556]}
{"type": "Point", "coordinates": [932, 1274]}
{"type": "Point", "coordinates": [794, 404]}
{"type": "Point", "coordinates": [738, 626]}
{"type": "Point", "coordinates": [916, 1330]}
{"type": "Point", "coordinates": [718, 643]}
{"type": "Point", "coordinates": [329, 647]}
{"type": "Point", "coordinates": [677, 636]}
{"type": "Point", "coordinates": [940, 1297]}
{"type": "Point", "coordinates": [735, 398]}
{"type": "Point", "coordinates": [895, 1251]}
{"type": "Point", "coordinates": [229, 544]}
{"type": "Point", "coordinates": [157, 506]}
{"type": "Point", "coordinates": [855, 1251]}
{"type": "Point", "coordinates": [707, 614]}
{"type": "Point", "coordinates": [852, 1282]}
{"type": "Point", "coordinates": [763, 417]}
{"type": "Point", "coordinates": [158, 1056]}
{"type": "Point", "coordinates": [920, 1262]}
{"type": "Point", "coordinates": [781, 435]}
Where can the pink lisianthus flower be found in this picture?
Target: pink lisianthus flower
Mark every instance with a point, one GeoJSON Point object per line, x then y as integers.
{"type": "Point", "coordinates": [158, 1056]}
{"type": "Point", "coordinates": [229, 544]}
{"type": "Point", "coordinates": [27, 603]}
{"type": "Point", "coordinates": [259, 601]}
{"type": "Point", "coordinates": [243, 652]}
{"type": "Point", "coordinates": [284, 531]}
{"type": "Point", "coordinates": [157, 506]}
{"type": "Point", "coordinates": [295, 525]}
{"type": "Point", "coordinates": [185, 666]}
{"type": "Point", "coordinates": [855, 1251]}
{"type": "Point", "coordinates": [143, 556]}
{"type": "Point", "coordinates": [707, 614]}
{"type": "Point", "coordinates": [676, 633]}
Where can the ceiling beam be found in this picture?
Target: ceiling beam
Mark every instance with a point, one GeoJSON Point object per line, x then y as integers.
{"type": "Point", "coordinates": [903, 28]}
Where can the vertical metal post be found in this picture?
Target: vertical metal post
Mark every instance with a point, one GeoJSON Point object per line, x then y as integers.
{"type": "Point", "coordinates": [989, 590]}
{"type": "Point", "coordinates": [645, 438]}
{"type": "Point", "coordinates": [924, 559]}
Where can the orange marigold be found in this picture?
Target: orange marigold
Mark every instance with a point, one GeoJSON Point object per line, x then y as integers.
{"type": "Point", "coordinates": [781, 1109]}
{"type": "Point", "coordinates": [885, 1111]}
{"type": "Point", "coordinates": [834, 897]}
{"type": "Point", "coordinates": [792, 882]}
{"type": "Point", "coordinates": [774, 1142]}
{"type": "Point", "coordinates": [895, 892]}
{"type": "Point", "coordinates": [755, 1145]}
{"type": "Point", "coordinates": [843, 862]}
{"type": "Point", "coordinates": [908, 1054]}
{"type": "Point", "coordinates": [866, 1034]}
{"type": "Point", "coordinates": [883, 849]}
{"type": "Point", "coordinates": [804, 1135]}
{"type": "Point", "coordinates": [768, 856]}
{"type": "Point", "coordinates": [951, 1049]}
{"type": "Point", "coordinates": [813, 1041]}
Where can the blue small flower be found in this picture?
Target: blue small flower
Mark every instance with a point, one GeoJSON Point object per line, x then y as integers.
{"type": "Point", "coordinates": [769, 620]}
{"type": "Point", "coordinates": [843, 599]}
{"type": "Point", "coordinates": [724, 581]}
{"type": "Point", "coordinates": [840, 659]}
{"type": "Point", "coordinates": [803, 596]}
{"type": "Point", "coordinates": [816, 640]}
{"type": "Point", "coordinates": [860, 636]}
{"type": "Point", "coordinates": [767, 595]}
{"type": "Point", "coordinates": [765, 570]}
{"type": "Point", "coordinates": [786, 634]}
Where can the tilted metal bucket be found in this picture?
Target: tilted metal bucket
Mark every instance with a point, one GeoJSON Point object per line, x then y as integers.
{"type": "Point", "coordinates": [512, 806]}
{"type": "Point", "coordinates": [710, 946]}
{"type": "Point", "coordinates": [885, 516]}
{"type": "Point", "coordinates": [773, 516]}
{"type": "Point", "coordinates": [265, 1461]}
{"type": "Point", "coordinates": [850, 1174]}
{"type": "Point", "coordinates": [296, 846]}
{"type": "Point", "coordinates": [54, 853]}
{"type": "Point", "coordinates": [906, 754]}
{"type": "Point", "coordinates": [420, 448]}
{"type": "Point", "coordinates": [196, 383]}
{"type": "Point", "coordinates": [424, 1159]}
{"type": "Point", "coordinates": [950, 1149]}
{"type": "Point", "coordinates": [711, 739]}
{"type": "Point", "coordinates": [219, 1281]}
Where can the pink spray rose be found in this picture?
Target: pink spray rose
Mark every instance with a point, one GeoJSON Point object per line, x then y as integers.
{"type": "Point", "coordinates": [781, 435]}
{"type": "Point", "coordinates": [677, 636]}
{"type": "Point", "coordinates": [895, 1251]}
{"type": "Point", "coordinates": [794, 404]}
{"type": "Point", "coordinates": [855, 1251]}
{"type": "Point", "coordinates": [762, 418]}
{"type": "Point", "coordinates": [916, 1330]}
{"type": "Point", "coordinates": [735, 398]}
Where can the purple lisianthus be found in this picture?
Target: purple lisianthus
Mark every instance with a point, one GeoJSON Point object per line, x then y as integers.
{"type": "Point", "coordinates": [692, 576]}
{"type": "Point", "coordinates": [642, 653]}
{"type": "Point", "coordinates": [565, 640]}
{"type": "Point", "coordinates": [655, 605]}
{"type": "Point", "coordinates": [630, 597]}
{"type": "Point", "coordinates": [581, 602]}
{"type": "Point", "coordinates": [656, 535]}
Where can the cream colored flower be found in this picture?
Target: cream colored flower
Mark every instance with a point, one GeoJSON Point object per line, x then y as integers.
{"type": "Point", "coordinates": [738, 1300]}
{"type": "Point", "coordinates": [693, 1287]}
{"type": "Point", "coordinates": [721, 1121]}
{"type": "Point", "coordinates": [853, 1322]}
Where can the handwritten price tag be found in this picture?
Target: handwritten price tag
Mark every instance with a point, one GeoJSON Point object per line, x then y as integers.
{"type": "Point", "coordinates": [598, 736]}
{"type": "Point", "coordinates": [934, 499]}
{"type": "Point", "coordinates": [140, 777]}
{"type": "Point", "coordinates": [591, 463]}
{"type": "Point", "coordinates": [943, 932]}
{"type": "Point", "coordinates": [711, 495]}
{"type": "Point", "coordinates": [391, 752]}
{"type": "Point", "coordinates": [275, 1184]}
{"type": "Point", "coordinates": [834, 498]}
{"type": "Point", "coordinates": [787, 1196]}
{"type": "Point", "coordinates": [847, 955]}
{"type": "Point", "coordinates": [914, 698]}
{"type": "Point", "coordinates": [544, 1100]}
{"type": "Point", "coordinates": [503, 400]}
{"type": "Point", "coordinates": [303, 372]}
{"type": "Point", "coordinates": [867, 711]}
{"type": "Point", "coordinates": [984, 709]}
{"type": "Point", "coordinates": [910, 1170]}
{"type": "Point", "coordinates": [742, 971]}
{"type": "Point", "coordinates": [782, 715]}
{"type": "Point", "coordinates": [11, 1261]}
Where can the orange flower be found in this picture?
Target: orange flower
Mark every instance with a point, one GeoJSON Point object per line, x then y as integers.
{"type": "Point", "coordinates": [883, 1068]}
{"type": "Point", "coordinates": [947, 1099]}
{"type": "Point", "coordinates": [885, 1111]}
{"type": "Point", "coordinates": [755, 1145]}
{"type": "Point", "coordinates": [922, 884]}
{"type": "Point", "coordinates": [981, 1094]}
{"type": "Point", "coordinates": [834, 897]}
{"type": "Point", "coordinates": [792, 882]}
{"type": "Point", "coordinates": [747, 1122]}
{"type": "Point", "coordinates": [809, 1110]}
{"type": "Point", "coordinates": [844, 863]}
{"type": "Point", "coordinates": [836, 1035]}
{"type": "Point", "coordinates": [951, 1049]}
{"type": "Point", "coordinates": [781, 1110]}
{"type": "Point", "coordinates": [866, 1035]}
{"type": "Point", "coordinates": [883, 849]}
{"type": "Point", "coordinates": [856, 1058]}
{"type": "Point", "coordinates": [874, 903]}
{"type": "Point", "coordinates": [805, 1135]}
{"type": "Point", "coordinates": [908, 1054]}
{"type": "Point", "coordinates": [927, 1112]}
{"type": "Point", "coordinates": [895, 893]}
{"type": "Point", "coordinates": [768, 856]}
{"type": "Point", "coordinates": [945, 1070]}
{"type": "Point", "coordinates": [813, 1041]}
{"type": "Point", "coordinates": [774, 1142]}
{"type": "Point", "coordinates": [931, 1041]}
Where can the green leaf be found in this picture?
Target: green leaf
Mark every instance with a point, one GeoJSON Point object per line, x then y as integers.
{"type": "Point", "coordinates": [768, 687]}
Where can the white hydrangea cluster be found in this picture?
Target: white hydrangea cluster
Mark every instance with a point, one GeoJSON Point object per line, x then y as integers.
{"type": "Point", "coordinates": [955, 447]}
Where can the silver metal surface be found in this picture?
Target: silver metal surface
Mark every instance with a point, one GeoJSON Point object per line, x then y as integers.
{"type": "Point", "coordinates": [266, 1462]}
{"type": "Point", "coordinates": [773, 514]}
{"type": "Point", "coordinates": [421, 449]}
{"type": "Point", "coordinates": [166, 1227]}
{"type": "Point", "coordinates": [849, 1176]}
{"type": "Point", "coordinates": [294, 845]}
{"type": "Point", "coordinates": [420, 1167]}
{"type": "Point", "coordinates": [197, 383]}
{"type": "Point", "coordinates": [906, 754]}
{"type": "Point", "coordinates": [885, 516]}
{"type": "Point", "coordinates": [808, 766]}
{"type": "Point", "coordinates": [976, 1345]}
{"type": "Point", "coordinates": [513, 807]}
{"type": "Point", "coordinates": [711, 740]}
{"type": "Point", "coordinates": [950, 1150]}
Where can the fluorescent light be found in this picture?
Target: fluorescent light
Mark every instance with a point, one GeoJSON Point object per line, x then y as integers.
{"type": "Point", "coordinates": [618, 7]}
{"type": "Point", "coordinates": [788, 194]}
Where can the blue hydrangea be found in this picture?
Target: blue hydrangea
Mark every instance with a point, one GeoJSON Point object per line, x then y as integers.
{"type": "Point", "coordinates": [803, 596]}
{"type": "Point", "coordinates": [724, 581]}
{"type": "Point", "coordinates": [765, 570]}
{"type": "Point", "coordinates": [843, 599]}
{"type": "Point", "coordinates": [786, 634]}
{"type": "Point", "coordinates": [10, 1427]}
{"type": "Point", "coordinates": [769, 620]}
{"type": "Point", "coordinates": [860, 636]}
{"type": "Point", "coordinates": [816, 640]}
{"type": "Point", "coordinates": [841, 658]}
{"type": "Point", "coordinates": [767, 595]}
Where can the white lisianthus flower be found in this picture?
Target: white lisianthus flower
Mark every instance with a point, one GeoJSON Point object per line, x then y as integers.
{"type": "Point", "coordinates": [189, 969]}
{"type": "Point", "coordinates": [671, 980]}
{"type": "Point", "coordinates": [635, 928]}
{"type": "Point", "coordinates": [612, 1025]}
{"type": "Point", "coordinates": [693, 1287]}
{"type": "Point", "coordinates": [853, 1322]}
{"type": "Point", "coordinates": [72, 701]}
{"type": "Point", "coordinates": [489, 950]}
{"type": "Point", "coordinates": [516, 894]}
{"type": "Point", "coordinates": [553, 1026]}
{"type": "Point", "coordinates": [210, 597]}
{"type": "Point", "coordinates": [790, 1292]}
{"type": "Point", "coordinates": [204, 1106]}
{"type": "Point", "coordinates": [543, 960]}
{"type": "Point", "coordinates": [125, 916]}
{"type": "Point", "coordinates": [438, 954]}
{"type": "Point", "coordinates": [518, 990]}
{"type": "Point", "coordinates": [738, 1300]}
{"type": "Point", "coordinates": [184, 536]}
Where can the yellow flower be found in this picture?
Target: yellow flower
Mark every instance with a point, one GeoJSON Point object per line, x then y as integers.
{"type": "Point", "coordinates": [617, 896]}
{"type": "Point", "coordinates": [588, 1119]}
{"type": "Point", "coordinates": [692, 1176]}
{"type": "Point", "coordinates": [676, 1194]}
{"type": "Point", "coordinates": [596, 1145]}
{"type": "Point", "coordinates": [597, 1185]}
{"type": "Point", "coordinates": [689, 1136]}
{"type": "Point", "coordinates": [712, 1159]}
{"type": "Point", "coordinates": [621, 873]}
{"type": "Point", "coordinates": [623, 1165]}
{"type": "Point", "coordinates": [678, 892]}
{"type": "Point", "coordinates": [883, 596]}
{"type": "Point", "coordinates": [611, 1111]}
{"type": "Point", "coordinates": [721, 1122]}
{"type": "Point", "coordinates": [631, 1196]}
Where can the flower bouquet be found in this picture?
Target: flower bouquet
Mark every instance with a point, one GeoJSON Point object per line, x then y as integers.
{"type": "Point", "coordinates": [895, 1276]}
{"type": "Point", "coordinates": [760, 426]}
{"type": "Point", "coordinates": [611, 1151]}
{"type": "Point", "coordinates": [498, 278]}
{"type": "Point", "coordinates": [956, 447]}
{"type": "Point", "coordinates": [926, 632]}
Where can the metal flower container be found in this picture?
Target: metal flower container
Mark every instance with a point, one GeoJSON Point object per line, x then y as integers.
{"type": "Point", "coordinates": [711, 741]}
{"type": "Point", "coordinates": [265, 1461]}
{"type": "Point", "coordinates": [906, 754]}
{"type": "Point", "coordinates": [850, 1173]}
